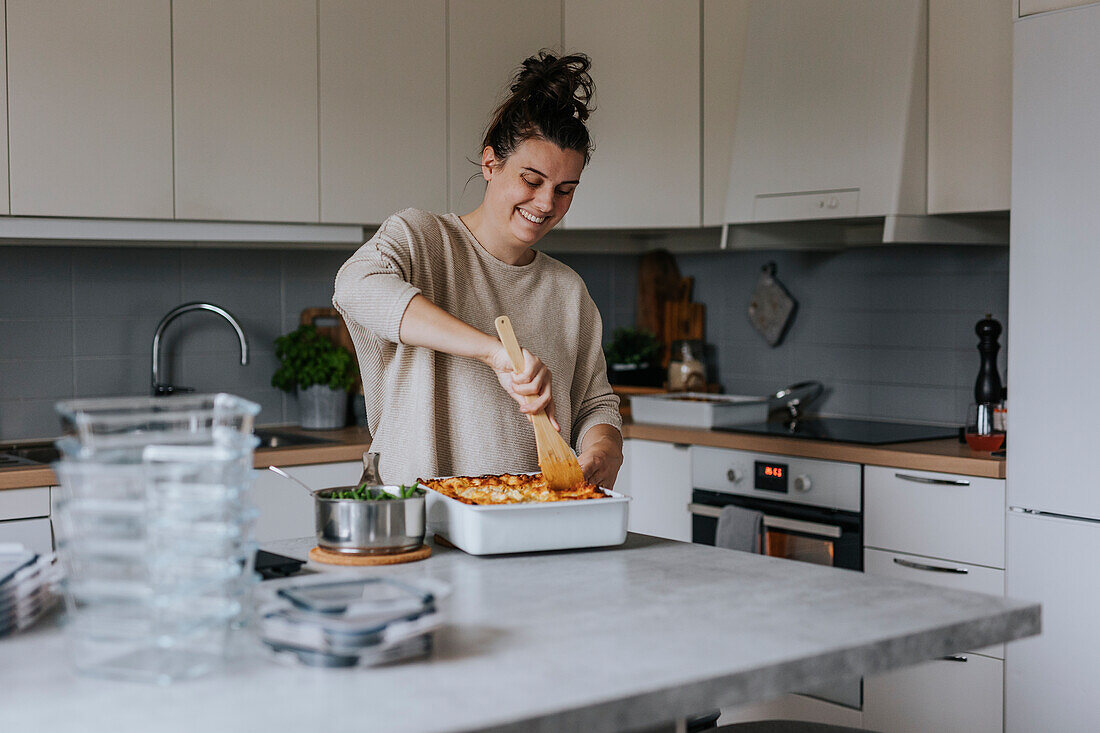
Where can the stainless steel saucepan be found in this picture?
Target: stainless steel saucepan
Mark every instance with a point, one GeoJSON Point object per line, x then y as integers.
{"type": "Point", "coordinates": [358, 527]}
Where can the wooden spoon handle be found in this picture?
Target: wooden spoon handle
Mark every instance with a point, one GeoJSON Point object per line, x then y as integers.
{"type": "Point", "coordinates": [511, 345]}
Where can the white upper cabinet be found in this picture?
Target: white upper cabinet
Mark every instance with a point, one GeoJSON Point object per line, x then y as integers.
{"type": "Point", "coordinates": [383, 97]}
{"type": "Point", "coordinates": [482, 61]}
{"type": "Point", "coordinates": [831, 117]}
{"type": "Point", "coordinates": [725, 33]}
{"type": "Point", "coordinates": [969, 105]}
{"type": "Point", "coordinates": [1031, 7]}
{"type": "Point", "coordinates": [645, 170]}
{"type": "Point", "coordinates": [245, 97]}
{"type": "Point", "coordinates": [4, 200]}
{"type": "Point", "coordinates": [90, 108]}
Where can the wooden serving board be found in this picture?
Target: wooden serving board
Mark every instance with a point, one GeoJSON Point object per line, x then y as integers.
{"type": "Point", "coordinates": [319, 554]}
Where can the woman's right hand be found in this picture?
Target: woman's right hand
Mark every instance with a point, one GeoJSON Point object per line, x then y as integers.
{"type": "Point", "coordinates": [533, 381]}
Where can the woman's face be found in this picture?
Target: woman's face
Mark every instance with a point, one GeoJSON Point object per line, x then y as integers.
{"type": "Point", "coordinates": [530, 191]}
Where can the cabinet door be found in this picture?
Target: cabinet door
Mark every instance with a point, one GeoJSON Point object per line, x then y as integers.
{"type": "Point", "coordinates": [1030, 7]}
{"type": "Point", "coordinates": [25, 503]}
{"type": "Point", "coordinates": [286, 510]}
{"type": "Point", "coordinates": [5, 200]}
{"type": "Point", "coordinates": [954, 696]}
{"type": "Point", "coordinates": [725, 33]}
{"type": "Point", "coordinates": [90, 108]}
{"type": "Point", "coordinates": [482, 60]}
{"type": "Point", "coordinates": [832, 101]}
{"type": "Point", "coordinates": [35, 534]}
{"type": "Point", "coordinates": [245, 108]}
{"type": "Point", "coordinates": [383, 98]}
{"type": "Point", "coordinates": [658, 480]}
{"type": "Point", "coordinates": [645, 170]}
{"type": "Point", "coordinates": [969, 105]}
{"type": "Point", "coordinates": [937, 515]}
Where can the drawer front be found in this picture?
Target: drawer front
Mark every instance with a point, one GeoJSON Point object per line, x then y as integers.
{"type": "Point", "coordinates": [942, 573]}
{"type": "Point", "coordinates": [960, 518]}
{"type": "Point", "coordinates": [24, 503]}
{"type": "Point", "coordinates": [946, 697]}
{"type": "Point", "coordinates": [35, 534]}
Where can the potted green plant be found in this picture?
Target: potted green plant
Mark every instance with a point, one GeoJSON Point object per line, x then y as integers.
{"type": "Point", "coordinates": [633, 357]}
{"type": "Point", "coordinates": [320, 372]}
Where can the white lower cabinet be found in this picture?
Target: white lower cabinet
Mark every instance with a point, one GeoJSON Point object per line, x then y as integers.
{"type": "Point", "coordinates": [286, 510]}
{"type": "Point", "coordinates": [945, 530]}
{"type": "Point", "coordinates": [657, 478]}
{"type": "Point", "coordinates": [35, 534]}
{"type": "Point", "coordinates": [963, 695]}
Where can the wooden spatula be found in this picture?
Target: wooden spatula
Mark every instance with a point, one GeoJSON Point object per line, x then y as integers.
{"type": "Point", "coordinates": [556, 460]}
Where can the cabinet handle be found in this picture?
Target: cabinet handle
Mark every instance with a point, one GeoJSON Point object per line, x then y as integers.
{"type": "Point", "coordinates": [681, 446]}
{"type": "Point", "coordinates": [937, 481]}
{"type": "Point", "coordinates": [955, 658]}
{"type": "Point", "coordinates": [933, 568]}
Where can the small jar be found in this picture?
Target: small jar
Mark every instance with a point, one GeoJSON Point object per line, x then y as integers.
{"type": "Point", "coordinates": [686, 370]}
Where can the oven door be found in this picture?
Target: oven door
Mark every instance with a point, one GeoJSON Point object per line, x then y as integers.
{"type": "Point", "coordinates": [792, 531]}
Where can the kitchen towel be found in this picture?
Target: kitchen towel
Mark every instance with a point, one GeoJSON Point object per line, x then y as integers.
{"type": "Point", "coordinates": [739, 529]}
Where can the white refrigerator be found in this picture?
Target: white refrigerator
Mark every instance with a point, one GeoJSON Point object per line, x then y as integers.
{"type": "Point", "coordinates": [1052, 681]}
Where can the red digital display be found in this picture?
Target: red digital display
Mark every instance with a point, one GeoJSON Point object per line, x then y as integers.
{"type": "Point", "coordinates": [771, 476]}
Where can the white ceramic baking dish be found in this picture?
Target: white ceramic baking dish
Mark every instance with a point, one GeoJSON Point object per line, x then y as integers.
{"type": "Point", "coordinates": [529, 527]}
{"type": "Point", "coordinates": [698, 410]}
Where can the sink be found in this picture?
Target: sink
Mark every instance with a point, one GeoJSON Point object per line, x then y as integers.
{"type": "Point", "coordinates": [278, 439]}
{"type": "Point", "coordinates": [44, 453]}
{"type": "Point", "coordinates": [28, 454]}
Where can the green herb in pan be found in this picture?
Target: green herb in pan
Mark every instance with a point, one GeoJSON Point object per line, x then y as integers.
{"type": "Point", "coordinates": [363, 493]}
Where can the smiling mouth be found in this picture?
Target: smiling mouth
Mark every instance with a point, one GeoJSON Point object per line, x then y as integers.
{"type": "Point", "coordinates": [531, 217]}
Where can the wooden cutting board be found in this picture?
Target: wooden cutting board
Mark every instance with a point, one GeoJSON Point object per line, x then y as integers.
{"type": "Point", "coordinates": [659, 281]}
{"type": "Point", "coordinates": [330, 323]}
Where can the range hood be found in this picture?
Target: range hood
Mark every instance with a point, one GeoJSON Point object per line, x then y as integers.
{"type": "Point", "coordinates": [829, 145]}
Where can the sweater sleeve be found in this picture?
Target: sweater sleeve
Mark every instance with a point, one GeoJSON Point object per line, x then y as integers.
{"type": "Point", "coordinates": [593, 401]}
{"type": "Point", "coordinates": [374, 286]}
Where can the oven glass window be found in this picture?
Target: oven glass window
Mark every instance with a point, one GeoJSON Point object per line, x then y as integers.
{"type": "Point", "coordinates": [778, 543]}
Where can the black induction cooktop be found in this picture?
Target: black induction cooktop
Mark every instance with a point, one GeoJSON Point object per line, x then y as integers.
{"type": "Point", "coordinates": [846, 430]}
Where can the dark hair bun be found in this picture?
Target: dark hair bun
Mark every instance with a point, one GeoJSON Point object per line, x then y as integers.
{"type": "Point", "coordinates": [562, 83]}
{"type": "Point", "coordinates": [550, 99]}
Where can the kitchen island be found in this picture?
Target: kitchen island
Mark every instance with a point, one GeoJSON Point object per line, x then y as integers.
{"type": "Point", "coordinates": [596, 640]}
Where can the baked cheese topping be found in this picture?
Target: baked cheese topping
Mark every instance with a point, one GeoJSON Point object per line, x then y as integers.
{"type": "Point", "coordinates": [507, 488]}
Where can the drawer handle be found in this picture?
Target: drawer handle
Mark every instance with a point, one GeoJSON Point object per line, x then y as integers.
{"type": "Point", "coordinates": [936, 481]}
{"type": "Point", "coordinates": [933, 568]}
{"type": "Point", "coordinates": [955, 658]}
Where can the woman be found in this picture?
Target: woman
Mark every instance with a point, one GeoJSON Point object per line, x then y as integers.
{"type": "Point", "coordinates": [420, 299]}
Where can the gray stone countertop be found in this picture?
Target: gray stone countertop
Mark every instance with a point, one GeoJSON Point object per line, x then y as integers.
{"type": "Point", "coordinates": [595, 640]}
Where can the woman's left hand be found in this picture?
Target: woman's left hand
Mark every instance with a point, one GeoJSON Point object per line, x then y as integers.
{"type": "Point", "coordinates": [601, 455]}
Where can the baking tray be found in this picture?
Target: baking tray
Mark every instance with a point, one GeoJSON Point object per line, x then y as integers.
{"type": "Point", "coordinates": [494, 529]}
{"type": "Point", "coordinates": [699, 410]}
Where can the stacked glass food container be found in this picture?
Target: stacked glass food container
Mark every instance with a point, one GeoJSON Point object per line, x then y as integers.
{"type": "Point", "coordinates": [154, 530]}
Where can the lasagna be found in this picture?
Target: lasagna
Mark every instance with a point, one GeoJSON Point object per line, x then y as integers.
{"type": "Point", "coordinates": [508, 488]}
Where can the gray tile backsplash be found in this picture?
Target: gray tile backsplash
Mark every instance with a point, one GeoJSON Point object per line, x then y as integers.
{"type": "Point", "coordinates": [79, 322]}
{"type": "Point", "coordinates": [888, 329]}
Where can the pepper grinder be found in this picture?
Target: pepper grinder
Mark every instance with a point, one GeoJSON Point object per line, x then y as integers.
{"type": "Point", "coordinates": [988, 388]}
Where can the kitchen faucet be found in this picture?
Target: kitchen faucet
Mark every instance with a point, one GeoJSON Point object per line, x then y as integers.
{"type": "Point", "coordinates": [159, 388]}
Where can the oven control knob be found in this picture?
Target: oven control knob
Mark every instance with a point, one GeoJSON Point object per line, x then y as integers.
{"type": "Point", "coordinates": [802, 483]}
{"type": "Point", "coordinates": [734, 476]}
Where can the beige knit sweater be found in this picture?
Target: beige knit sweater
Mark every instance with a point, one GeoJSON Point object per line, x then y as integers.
{"type": "Point", "coordinates": [434, 414]}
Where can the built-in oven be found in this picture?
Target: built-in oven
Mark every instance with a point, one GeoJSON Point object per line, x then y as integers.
{"type": "Point", "coordinates": [812, 512]}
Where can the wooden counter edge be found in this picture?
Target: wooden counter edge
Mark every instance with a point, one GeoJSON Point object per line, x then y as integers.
{"type": "Point", "coordinates": [355, 442]}
{"type": "Point", "coordinates": [941, 456]}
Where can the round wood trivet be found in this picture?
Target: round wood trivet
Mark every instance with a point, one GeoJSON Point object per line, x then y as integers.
{"type": "Point", "coordinates": [319, 554]}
